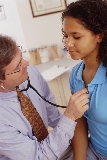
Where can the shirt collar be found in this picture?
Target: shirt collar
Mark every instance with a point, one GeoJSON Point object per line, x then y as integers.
{"type": "Point", "coordinates": [9, 96]}
{"type": "Point", "coordinates": [79, 73]}
{"type": "Point", "coordinates": [100, 76]}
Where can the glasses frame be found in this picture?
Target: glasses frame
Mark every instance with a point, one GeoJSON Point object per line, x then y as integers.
{"type": "Point", "coordinates": [20, 64]}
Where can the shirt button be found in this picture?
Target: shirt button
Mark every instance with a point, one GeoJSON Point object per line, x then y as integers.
{"type": "Point", "coordinates": [15, 99]}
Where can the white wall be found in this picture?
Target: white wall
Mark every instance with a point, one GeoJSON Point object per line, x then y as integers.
{"type": "Point", "coordinates": [29, 31]}
{"type": "Point", "coordinates": [42, 30]}
{"type": "Point", "coordinates": [11, 25]}
{"type": "Point", "coordinates": [69, 1]}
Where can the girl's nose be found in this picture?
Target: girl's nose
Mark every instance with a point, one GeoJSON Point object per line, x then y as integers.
{"type": "Point", "coordinates": [69, 43]}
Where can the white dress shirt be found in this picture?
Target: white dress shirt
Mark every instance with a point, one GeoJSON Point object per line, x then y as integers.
{"type": "Point", "coordinates": [16, 138]}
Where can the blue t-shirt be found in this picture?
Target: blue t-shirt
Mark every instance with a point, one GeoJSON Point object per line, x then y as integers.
{"type": "Point", "coordinates": [97, 113]}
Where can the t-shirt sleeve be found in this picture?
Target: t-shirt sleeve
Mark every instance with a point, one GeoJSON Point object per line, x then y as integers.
{"type": "Point", "coordinates": [71, 83]}
{"type": "Point", "coordinates": [72, 79]}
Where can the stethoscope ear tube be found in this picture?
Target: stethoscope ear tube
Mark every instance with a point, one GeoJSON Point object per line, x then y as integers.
{"type": "Point", "coordinates": [30, 86]}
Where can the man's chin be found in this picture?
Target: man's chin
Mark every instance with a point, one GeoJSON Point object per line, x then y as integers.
{"type": "Point", "coordinates": [24, 79]}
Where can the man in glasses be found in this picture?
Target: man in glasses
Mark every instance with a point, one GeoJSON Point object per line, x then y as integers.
{"type": "Point", "coordinates": [17, 140]}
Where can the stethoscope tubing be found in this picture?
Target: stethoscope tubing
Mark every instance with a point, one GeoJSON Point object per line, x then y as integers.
{"type": "Point", "coordinates": [30, 86]}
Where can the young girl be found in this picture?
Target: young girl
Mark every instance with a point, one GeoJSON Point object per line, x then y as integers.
{"type": "Point", "coordinates": [85, 37]}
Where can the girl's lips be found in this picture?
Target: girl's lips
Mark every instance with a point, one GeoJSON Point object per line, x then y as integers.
{"type": "Point", "coordinates": [72, 52]}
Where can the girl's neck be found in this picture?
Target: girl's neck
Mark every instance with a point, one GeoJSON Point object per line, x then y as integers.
{"type": "Point", "coordinates": [89, 71]}
{"type": "Point", "coordinates": [92, 64]}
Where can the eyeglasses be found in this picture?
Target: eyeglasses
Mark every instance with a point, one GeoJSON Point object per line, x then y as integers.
{"type": "Point", "coordinates": [19, 67]}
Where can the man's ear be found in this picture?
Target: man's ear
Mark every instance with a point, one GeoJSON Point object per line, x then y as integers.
{"type": "Point", "coordinates": [100, 37]}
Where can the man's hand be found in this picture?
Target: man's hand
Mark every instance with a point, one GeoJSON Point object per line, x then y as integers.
{"type": "Point", "coordinates": [77, 105]}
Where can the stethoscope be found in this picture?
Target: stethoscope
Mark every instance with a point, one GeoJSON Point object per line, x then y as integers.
{"type": "Point", "coordinates": [30, 86]}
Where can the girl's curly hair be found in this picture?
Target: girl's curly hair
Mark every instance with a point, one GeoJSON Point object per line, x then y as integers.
{"type": "Point", "coordinates": [93, 15]}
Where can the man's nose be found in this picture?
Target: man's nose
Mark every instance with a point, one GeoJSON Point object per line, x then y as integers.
{"type": "Point", "coordinates": [25, 63]}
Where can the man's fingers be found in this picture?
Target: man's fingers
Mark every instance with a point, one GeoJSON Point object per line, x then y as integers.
{"type": "Point", "coordinates": [85, 108]}
{"type": "Point", "coordinates": [80, 98]}
{"type": "Point", "coordinates": [83, 97]}
{"type": "Point", "coordinates": [79, 93]}
{"type": "Point", "coordinates": [78, 104]}
{"type": "Point", "coordinates": [83, 101]}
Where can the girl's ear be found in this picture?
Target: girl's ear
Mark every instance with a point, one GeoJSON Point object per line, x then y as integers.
{"type": "Point", "coordinates": [100, 37]}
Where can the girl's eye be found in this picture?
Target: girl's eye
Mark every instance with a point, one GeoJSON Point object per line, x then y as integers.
{"type": "Point", "coordinates": [77, 37]}
{"type": "Point", "coordinates": [65, 35]}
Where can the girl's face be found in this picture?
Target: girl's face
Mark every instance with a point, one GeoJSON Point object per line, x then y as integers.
{"type": "Point", "coordinates": [80, 42]}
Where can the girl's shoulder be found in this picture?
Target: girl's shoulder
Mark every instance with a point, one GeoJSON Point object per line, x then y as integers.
{"type": "Point", "coordinates": [75, 74]}
{"type": "Point", "coordinates": [77, 68]}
